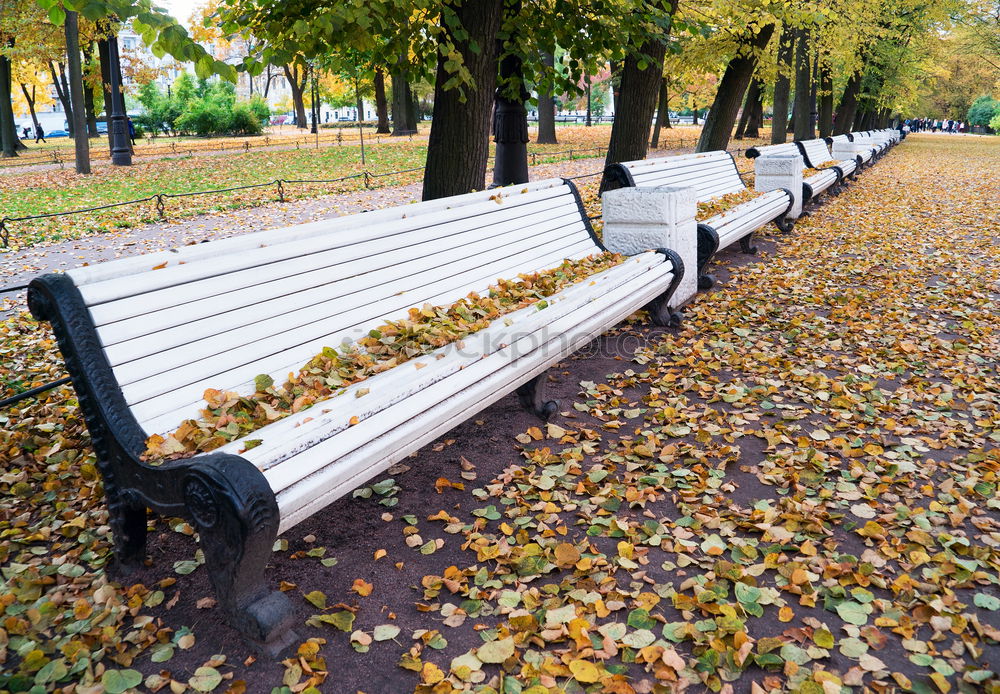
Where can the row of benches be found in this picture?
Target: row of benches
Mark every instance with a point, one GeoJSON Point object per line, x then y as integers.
{"type": "Point", "coordinates": [715, 174]}
{"type": "Point", "coordinates": [144, 337]}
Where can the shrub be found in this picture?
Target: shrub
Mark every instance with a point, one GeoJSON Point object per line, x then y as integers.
{"type": "Point", "coordinates": [243, 120]}
{"type": "Point", "coordinates": [203, 117]}
{"type": "Point", "coordinates": [995, 123]}
{"type": "Point", "coordinates": [982, 110]}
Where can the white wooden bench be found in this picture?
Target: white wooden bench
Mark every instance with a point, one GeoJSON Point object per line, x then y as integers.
{"type": "Point", "coordinates": [144, 337]}
{"type": "Point", "coordinates": [711, 175]}
{"type": "Point", "coordinates": [812, 185]}
{"type": "Point", "coordinates": [846, 143]}
{"type": "Point", "coordinates": [879, 142]}
{"type": "Point", "coordinates": [816, 152]}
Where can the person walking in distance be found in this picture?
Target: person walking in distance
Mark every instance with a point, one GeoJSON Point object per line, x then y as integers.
{"type": "Point", "coordinates": [39, 134]}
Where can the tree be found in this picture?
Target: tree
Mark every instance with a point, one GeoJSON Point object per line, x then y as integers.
{"type": "Point", "coordinates": [782, 87]}
{"type": "Point", "coordinates": [982, 110]}
{"type": "Point", "coordinates": [296, 73]}
{"type": "Point", "coordinates": [641, 76]}
{"type": "Point", "coordinates": [80, 135]}
{"type": "Point", "coordinates": [381, 108]}
{"type": "Point", "coordinates": [454, 136]}
{"type": "Point", "coordinates": [546, 105]}
{"type": "Point", "coordinates": [719, 124]}
{"type": "Point", "coordinates": [802, 124]}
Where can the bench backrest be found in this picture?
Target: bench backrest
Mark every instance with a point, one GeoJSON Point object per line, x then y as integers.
{"type": "Point", "coordinates": [772, 150]}
{"type": "Point", "coordinates": [711, 174]}
{"type": "Point", "coordinates": [215, 315]}
{"type": "Point", "coordinates": [839, 138]}
{"type": "Point", "coordinates": [814, 152]}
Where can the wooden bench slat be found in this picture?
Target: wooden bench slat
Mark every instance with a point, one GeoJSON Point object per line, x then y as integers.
{"type": "Point", "coordinates": [279, 262]}
{"type": "Point", "coordinates": [323, 229]}
{"type": "Point", "coordinates": [215, 315]}
{"type": "Point", "coordinates": [349, 231]}
{"type": "Point", "coordinates": [235, 370]}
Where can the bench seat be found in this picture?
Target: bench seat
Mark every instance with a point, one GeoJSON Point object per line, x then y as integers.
{"type": "Point", "coordinates": [144, 337]}
{"type": "Point", "coordinates": [711, 175]}
{"type": "Point", "coordinates": [816, 152]}
{"type": "Point", "coordinates": [813, 184]}
{"type": "Point", "coordinates": [865, 155]}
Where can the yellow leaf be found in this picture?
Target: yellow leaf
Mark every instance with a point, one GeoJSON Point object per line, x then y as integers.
{"type": "Point", "coordinates": [584, 671]}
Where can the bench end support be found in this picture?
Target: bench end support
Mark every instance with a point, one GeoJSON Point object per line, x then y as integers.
{"type": "Point", "coordinates": [236, 515]}
{"type": "Point", "coordinates": [531, 395]}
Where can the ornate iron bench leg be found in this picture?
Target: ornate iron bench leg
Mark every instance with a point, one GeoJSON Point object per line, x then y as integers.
{"type": "Point", "coordinates": [532, 398]}
{"type": "Point", "coordinates": [708, 244]}
{"type": "Point", "coordinates": [784, 224]}
{"type": "Point", "coordinates": [659, 308]}
{"type": "Point", "coordinates": [746, 245]}
{"type": "Point", "coordinates": [127, 516]}
{"type": "Point", "coordinates": [236, 516]}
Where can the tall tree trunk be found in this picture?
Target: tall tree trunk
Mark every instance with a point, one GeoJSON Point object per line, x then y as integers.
{"type": "Point", "coordinates": [404, 119]}
{"type": "Point", "coordinates": [381, 108]}
{"type": "Point", "coordinates": [694, 117]}
{"type": "Point", "coordinates": [547, 108]}
{"type": "Point", "coordinates": [782, 85]}
{"type": "Point", "coordinates": [637, 100]}
{"type": "Point", "coordinates": [267, 81]}
{"type": "Point", "coordinates": [296, 76]}
{"type": "Point", "coordinates": [510, 117]}
{"type": "Point", "coordinates": [756, 119]}
{"type": "Point", "coordinates": [8, 135]}
{"type": "Point", "coordinates": [88, 93]}
{"type": "Point", "coordinates": [661, 114]}
{"type": "Point", "coordinates": [803, 106]}
{"type": "Point", "coordinates": [458, 146]}
{"type": "Point", "coordinates": [30, 99]}
{"type": "Point", "coordinates": [848, 106]}
{"type": "Point", "coordinates": [825, 100]}
{"type": "Point", "coordinates": [76, 93]}
{"type": "Point", "coordinates": [722, 116]}
{"type": "Point", "coordinates": [753, 95]}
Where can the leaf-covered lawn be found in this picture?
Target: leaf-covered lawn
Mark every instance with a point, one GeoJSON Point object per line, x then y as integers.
{"type": "Point", "coordinates": [797, 491]}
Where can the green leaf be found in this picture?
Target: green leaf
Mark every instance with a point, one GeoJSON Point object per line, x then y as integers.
{"type": "Point", "coordinates": [496, 651]}
{"type": "Point", "coordinates": [205, 679]}
{"type": "Point", "coordinates": [57, 15]}
{"type": "Point", "coordinates": [385, 632]}
{"type": "Point", "coordinates": [854, 613]}
{"type": "Point", "coordinates": [342, 620]}
{"type": "Point", "coordinates": [640, 619]}
{"type": "Point", "coordinates": [987, 602]}
{"type": "Point", "coordinates": [120, 681]}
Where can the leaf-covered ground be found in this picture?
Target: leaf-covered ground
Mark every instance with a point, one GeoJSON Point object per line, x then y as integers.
{"type": "Point", "coordinates": [797, 491]}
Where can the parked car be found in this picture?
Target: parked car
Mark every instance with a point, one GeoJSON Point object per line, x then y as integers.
{"type": "Point", "coordinates": [57, 133]}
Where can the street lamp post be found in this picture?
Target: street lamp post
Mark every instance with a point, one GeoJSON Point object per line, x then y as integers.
{"type": "Point", "coordinates": [315, 106]}
{"type": "Point", "coordinates": [121, 153]}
